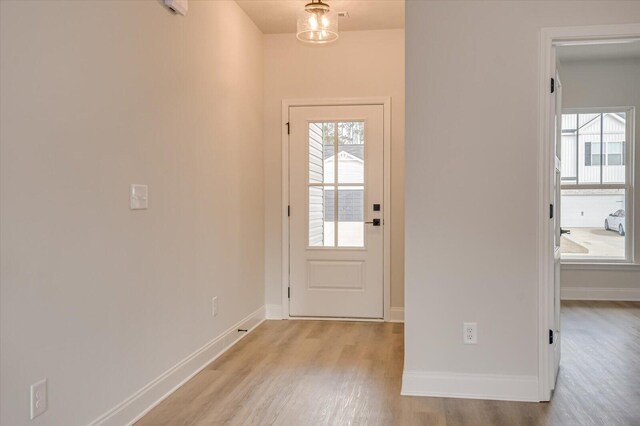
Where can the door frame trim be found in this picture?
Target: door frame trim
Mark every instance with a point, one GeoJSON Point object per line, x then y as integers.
{"type": "Point", "coordinates": [550, 37]}
{"type": "Point", "coordinates": [385, 102]}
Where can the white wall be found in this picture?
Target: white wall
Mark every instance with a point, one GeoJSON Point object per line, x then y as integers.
{"type": "Point", "coordinates": [470, 64]}
{"type": "Point", "coordinates": [97, 95]}
{"type": "Point", "coordinates": [599, 83]}
{"type": "Point", "coordinates": [359, 64]}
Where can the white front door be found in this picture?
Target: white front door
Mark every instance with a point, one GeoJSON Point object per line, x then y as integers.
{"type": "Point", "coordinates": [336, 211]}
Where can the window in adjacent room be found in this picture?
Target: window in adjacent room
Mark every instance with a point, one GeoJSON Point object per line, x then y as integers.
{"type": "Point", "coordinates": [597, 185]}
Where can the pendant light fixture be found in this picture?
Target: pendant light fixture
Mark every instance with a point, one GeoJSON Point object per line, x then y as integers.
{"type": "Point", "coordinates": [317, 24]}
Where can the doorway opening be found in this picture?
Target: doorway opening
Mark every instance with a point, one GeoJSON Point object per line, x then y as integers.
{"type": "Point", "coordinates": [589, 97]}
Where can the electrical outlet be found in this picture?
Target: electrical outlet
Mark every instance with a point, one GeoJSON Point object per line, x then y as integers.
{"type": "Point", "coordinates": [138, 197]}
{"type": "Point", "coordinates": [38, 398]}
{"type": "Point", "coordinates": [214, 306]}
{"type": "Point", "coordinates": [470, 333]}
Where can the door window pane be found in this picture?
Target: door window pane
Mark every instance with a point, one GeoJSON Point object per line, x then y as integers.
{"type": "Point", "coordinates": [351, 152]}
{"type": "Point", "coordinates": [329, 136]}
{"type": "Point", "coordinates": [317, 217]}
{"type": "Point", "coordinates": [336, 148]}
{"type": "Point", "coordinates": [351, 216]}
{"type": "Point", "coordinates": [321, 147]}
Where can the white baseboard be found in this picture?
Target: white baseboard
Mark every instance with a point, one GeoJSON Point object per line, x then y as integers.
{"type": "Point", "coordinates": [396, 315]}
{"type": "Point", "coordinates": [600, 293]}
{"type": "Point", "coordinates": [472, 386]}
{"type": "Point", "coordinates": [137, 405]}
{"type": "Point", "coordinates": [274, 312]}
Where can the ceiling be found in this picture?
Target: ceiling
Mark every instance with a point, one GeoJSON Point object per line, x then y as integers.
{"type": "Point", "coordinates": [610, 51]}
{"type": "Point", "coordinates": [279, 16]}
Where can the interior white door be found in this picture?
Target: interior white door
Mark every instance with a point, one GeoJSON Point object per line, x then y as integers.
{"type": "Point", "coordinates": [554, 334]}
{"type": "Point", "coordinates": [336, 212]}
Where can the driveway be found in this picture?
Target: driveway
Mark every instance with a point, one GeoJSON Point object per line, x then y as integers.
{"type": "Point", "coordinates": [592, 242]}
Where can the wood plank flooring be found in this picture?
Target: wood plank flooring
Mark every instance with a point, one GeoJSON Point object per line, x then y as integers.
{"type": "Point", "coordinates": [341, 373]}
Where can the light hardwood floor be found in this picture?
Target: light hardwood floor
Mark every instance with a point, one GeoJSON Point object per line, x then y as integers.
{"type": "Point", "coordinates": [341, 373]}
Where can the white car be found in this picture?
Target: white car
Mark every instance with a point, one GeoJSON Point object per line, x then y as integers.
{"type": "Point", "coordinates": [615, 222]}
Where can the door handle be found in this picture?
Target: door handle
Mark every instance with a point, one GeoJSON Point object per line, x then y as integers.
{"type": "Point", "coordinates": [565, 231]}
{"type": "Point", "coordinates": [374, 222]}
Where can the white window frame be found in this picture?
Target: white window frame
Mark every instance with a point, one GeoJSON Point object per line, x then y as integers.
{"type": "Point", "coordinates": [628, 186]}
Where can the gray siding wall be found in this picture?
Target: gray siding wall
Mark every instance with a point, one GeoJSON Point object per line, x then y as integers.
{"type": "Point", "coordinates": [316, 196]}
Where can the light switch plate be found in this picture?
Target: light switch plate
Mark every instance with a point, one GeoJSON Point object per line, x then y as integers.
{"type": "Point", "coordinates": [139, 199]}
{"type": "Point", "coordinates": [214, 306]}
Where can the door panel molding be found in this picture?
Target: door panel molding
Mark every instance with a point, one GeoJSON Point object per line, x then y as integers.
{"type": "Point", "coordinates": [385, 102]}
{"type": "Point", "coordinates": [317, 280]}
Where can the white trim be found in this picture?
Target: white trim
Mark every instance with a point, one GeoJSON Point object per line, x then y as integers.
{"type": "Point", "coordinates": [597, 110]}
{"type": "Point", "coordinates": [573, 186]}
{"type": "Point", "coordinates": [600, 293]}
{"type": "Point", "coordinates": [386, 103]}
{"type": "Point", "coordinates": [285, 208]}
{"type": "Point", "coordinates": [347, 319]}
{"type": "Point", "coordinates": [472, 386]}
{"type": "Point", "coordinates": [396, 315]}
{"type": "Point", "coordinates": [549, 37]}
{"type": "Point", "coordinates": [591, 266]}
{"type": "Point", "coordinates": [273, 312]}
{"type": "Point", "coordinates": [141, 402]}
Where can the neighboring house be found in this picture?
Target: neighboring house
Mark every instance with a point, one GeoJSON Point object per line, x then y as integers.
{"type": "Point", "coordinates": [350, 170]}
{"type": "Point", "coordinates": [593, 157]}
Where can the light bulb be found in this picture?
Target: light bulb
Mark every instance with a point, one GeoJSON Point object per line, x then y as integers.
{"type": "Point", "coordinates": [313, 22]}
{"type": "Point", "coordinates": [316, 25]}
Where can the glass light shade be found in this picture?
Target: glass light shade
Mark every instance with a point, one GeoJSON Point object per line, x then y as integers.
{"type": "Point", "coordinates": [317, 28]}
